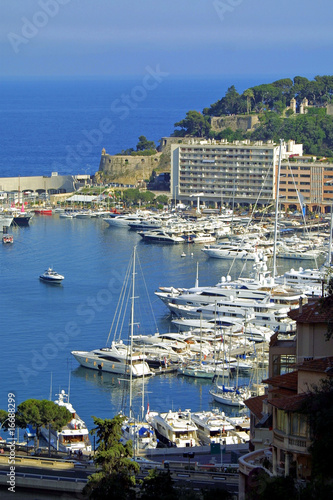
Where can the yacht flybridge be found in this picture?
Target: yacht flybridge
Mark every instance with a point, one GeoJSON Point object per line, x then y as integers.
{"type": "Point", "coordinates": [174, 428]}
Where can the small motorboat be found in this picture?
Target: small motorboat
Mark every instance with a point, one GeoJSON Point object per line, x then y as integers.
{"type": "Point", "coordinates": [7, 238]}
{"type": "Point", "coordinates": [51, 276]}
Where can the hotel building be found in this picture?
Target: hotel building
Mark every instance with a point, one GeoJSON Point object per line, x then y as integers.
{"type": "Point", "coordinates": [241, 172]}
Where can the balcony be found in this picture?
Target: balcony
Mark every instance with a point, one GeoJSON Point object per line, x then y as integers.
{"type": "Point", "coordinates": [290, 443]}
{"type": "Point", "coordinates": [260, 458]}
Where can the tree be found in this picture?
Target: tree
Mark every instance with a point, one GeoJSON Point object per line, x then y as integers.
{"type": "Point", "coordinates": [195, 124]}
{"type": "Point", "coordinates": [220, 493]}
{"type": "Point", "coordinates": [249, 95]}
{"type": "Point", "coordinates": [318, 408]}
{"type": "Point", "coordinates": [162, 199]}
{"type": "Point", "coordinates": [158, 485]}
{"type": "Point", "coordinates": [232, 103]}
{"type": "Point", "coordinates": [144, 144]}
{"type": "Point", "coordinates": [131, 195]}
{"type": "Point", "coordinates": [116, 477]}
{"type": "Point", "coordinates": [42, 413]}
{"type": "Point", "coordinates": [3, 419]}
{"type": "Point", "coordinates": [274, 488]}
{"type": "Point", "coordinates": [147, 196]}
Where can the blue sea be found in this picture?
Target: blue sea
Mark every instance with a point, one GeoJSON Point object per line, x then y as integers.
{"type": "Point", "coordinates": [61, 126]}
{"type": "Point", "coordinates": [42, 123]}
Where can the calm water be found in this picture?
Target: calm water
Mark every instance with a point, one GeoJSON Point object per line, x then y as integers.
{"type": "Point", "coordinates": [41, 324]}
{"type": "Point", "coordinates": [56, 125]}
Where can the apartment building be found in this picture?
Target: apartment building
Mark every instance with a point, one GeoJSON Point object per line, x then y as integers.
{"type": "Point", "coordinates": [219, 172]}
{"type": "Point", "coordinates": [308, 178]}
{"type": "Point", "coordinates": [280, 434]}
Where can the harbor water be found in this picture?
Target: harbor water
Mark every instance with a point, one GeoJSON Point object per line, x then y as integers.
{"type": "Point", "coordinates": [44, 126]}
{"type": "Point", "coordinates": [41, 323]}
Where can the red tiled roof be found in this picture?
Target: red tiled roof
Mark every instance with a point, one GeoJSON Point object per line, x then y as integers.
{"type": "Point", "coordinates": [293, 403]}
{"type": "Point", "coordinates": [316, 311]}
{"type": "Point", "coordinates": [282, 392]}
{"type": "Point", "coordinates": [285, 381]}
{"type": "Point", "coordinates": [324, 365]}
{"type": "Point", "coordinates": [255, 405]}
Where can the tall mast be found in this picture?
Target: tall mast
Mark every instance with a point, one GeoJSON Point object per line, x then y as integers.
{"type": "Point", "coordinates": [143, 389]}
{"type": "Point", "coordinates": [277, 210]}
{"type": "Point", "coordinates": [132, 328]}
{"type": "Point", "coordinates": [329, 254]}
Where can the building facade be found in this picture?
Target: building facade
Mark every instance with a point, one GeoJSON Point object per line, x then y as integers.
{"type": "Point", "coordinates": [241, 172]}
{"type": "Point", "coordinates": [280, 433]}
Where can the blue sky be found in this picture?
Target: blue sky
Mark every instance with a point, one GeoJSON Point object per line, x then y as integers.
{"type": "Point", "coordinates": [192, 37]}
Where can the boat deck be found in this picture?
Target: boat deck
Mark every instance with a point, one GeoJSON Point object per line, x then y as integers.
{"type": "Point", "coordinates": [162, 371]}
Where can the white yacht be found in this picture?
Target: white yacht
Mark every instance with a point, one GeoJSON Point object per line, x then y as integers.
{"type": "Point", "coordinates": [230, 252]}
{"type": "Point", "coordinates": [266, 314]}
{"type": "Point", "coordinates": [114, 359]}
{"type": "Point", "coordinates": [5, 221]}
{"type": "Point", "coordinates": [230, 310]}
{"type": "Point", "coordinates": [83, 214]}
{"type": "Point", "coordinates": [202, 370]}
{"type": "Point", "coordinates": [68, 214]}
{"type": "Point", "coordinates": [202, 238]}
{"type": "Point", "coordinates": [229, 327]}
{"type": "Point", "coordinates": [118, 358]}
{"type": "Point", "coordinates": [146, 224]}
{"type": "Point", "coordinates": [301, 277]}
{"type": "Point", "coordinates": [174, 428]}
{"type": "Point", "coordinates": [261, 287]}
{"type": "Point", "coordinates": [298, 252]}
{"type": "Point", "coordinates": [213, 427]}
{"type": "Point", "coordinates": [50, 276]}
{"type": "Point", "coordinates": [161, 236]}
{"type": "Point", "coordinates": [122, 220]}
{"type": "Point", "coordinates": [74, 436]}
{"type": "Point", "coordinates": [141, 434]}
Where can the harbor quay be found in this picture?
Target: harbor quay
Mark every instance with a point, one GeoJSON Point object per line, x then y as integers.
{"type": "Point", "coordinates": [13, 188]}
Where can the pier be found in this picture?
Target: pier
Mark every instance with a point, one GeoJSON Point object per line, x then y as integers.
{"type": "Point", "coordinates": [54, 184]}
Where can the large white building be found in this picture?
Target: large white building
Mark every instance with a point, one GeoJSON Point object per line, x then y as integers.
{"type": "Point", "coordinates": [220, 172]}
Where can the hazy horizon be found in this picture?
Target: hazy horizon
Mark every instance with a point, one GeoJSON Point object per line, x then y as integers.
{"type": "Point", "coordinates": [219, 38]}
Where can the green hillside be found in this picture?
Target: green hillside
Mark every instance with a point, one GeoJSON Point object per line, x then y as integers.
{"type": "Point", "coordinates": [271, 103]}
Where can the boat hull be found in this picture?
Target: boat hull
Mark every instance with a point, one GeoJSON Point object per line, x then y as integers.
{"type": "Point", "coordinates": [87, 360]}
{"type": "Point", "coordinates": [229, 399]}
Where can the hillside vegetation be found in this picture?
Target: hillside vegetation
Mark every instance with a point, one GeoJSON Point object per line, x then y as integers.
{"type": "Point", "coordinates": [271, 102]}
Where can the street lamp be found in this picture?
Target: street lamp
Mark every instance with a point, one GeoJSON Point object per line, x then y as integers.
{"type": "Point", "coordinates": [189, 455]}
{"type": "Point", "coordinates": [221, 447]}
{"type": "Point", "coordinates": [198, 200]}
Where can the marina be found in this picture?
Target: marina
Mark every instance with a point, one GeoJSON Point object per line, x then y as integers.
{"type": "Point", "coordinates": [76, 316]}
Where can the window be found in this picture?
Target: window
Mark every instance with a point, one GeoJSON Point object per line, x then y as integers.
{"type": "Point", "coordinates": [298, 425]}
{"type": "Point", "coordinates": [281, 420]}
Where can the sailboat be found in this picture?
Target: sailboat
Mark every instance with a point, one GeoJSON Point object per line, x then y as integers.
{"type": "Point", "coordinates": [139, 431]}
{"type": "Point", "coordinates": [201, 369]}
{"type": "Point", "coordinates": [230, 395]}
{"type": "Point", "coordinates": [118, 358]}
